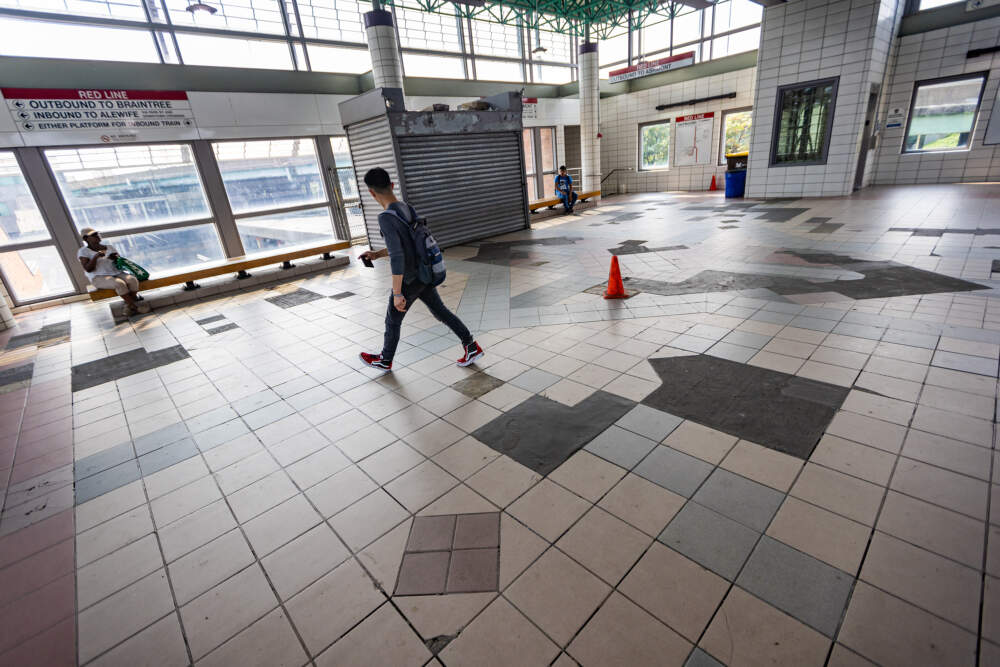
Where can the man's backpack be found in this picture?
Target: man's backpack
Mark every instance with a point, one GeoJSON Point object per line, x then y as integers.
{"type": "Point", "coordinates": [430, 262]}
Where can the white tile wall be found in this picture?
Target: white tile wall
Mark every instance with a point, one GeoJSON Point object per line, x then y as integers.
{"type": "Point", "coordinates": [387, 68]}
{"type": "Point", "coordinates": [590, 118]}
{"type": "Point", "coordinates": [621, 116]}
{"type": "Point", "coordinates": [926, 56]}
{"type": "Point", "coordinates": [817, 39]}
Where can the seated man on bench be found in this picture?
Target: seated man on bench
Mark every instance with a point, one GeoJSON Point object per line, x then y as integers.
{"type": "Point", "coordinates": [564, 189]}
{"type": "Point", "coordinates": [98, 262]}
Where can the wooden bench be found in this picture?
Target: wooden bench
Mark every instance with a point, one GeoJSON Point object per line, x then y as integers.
{"type": "Point", "coordinates": [238, 265]}
{"type": "Point", "coordinates": [555, 201]}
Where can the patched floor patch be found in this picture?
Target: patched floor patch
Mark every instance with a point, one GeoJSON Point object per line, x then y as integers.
{"type": "Point", "coordinates": [117, 366]}
{"type": "Point", "coordinates": [296, 298]}
{"type": "Point", "coordinates": [50, 334]}
{"type": "Point", "coordinates": [541, 433]}
{"type": "Point", "coordinates": [773, 409]}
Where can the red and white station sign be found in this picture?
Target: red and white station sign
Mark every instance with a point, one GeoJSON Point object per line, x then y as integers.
{"type": "Point", "coordinates": [116, 115]}
{"type": "Point", "coordinates": [529, 108]}
{"type": "Point", "coordinates": [695, 116]}
{"type": "Point", "coordinates": [651, 67]}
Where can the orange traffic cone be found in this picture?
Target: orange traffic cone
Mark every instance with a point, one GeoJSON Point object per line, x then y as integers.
{"type": "Point", "coordinates": [713, 186]}
{"type": "Point", "coordinates": [616, 289]}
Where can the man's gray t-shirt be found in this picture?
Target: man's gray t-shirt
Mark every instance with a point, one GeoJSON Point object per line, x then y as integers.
{"type": "Point", "coordinates": [399, 241]}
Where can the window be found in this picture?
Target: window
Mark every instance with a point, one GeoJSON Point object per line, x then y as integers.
{"type": "Point", "coordinates": [429, 31]}
{"type": "Point", "coordinates": [433, 67]}
{"type": "Point", "coordinates": [30, 264]}
{"type": "Point", "coordinates": [552, 74]}
{"type": "Point", "coordinates": [735, 132]}
{"type": "Point", "coordinates": [216, 51]}
{"type": "Point", "coordinates": [129, 186]}
{"type": "Point", "coordinates": [126, 10]}
{"type": "Point", "coordinates": [263, 16]}
{"type": "Point", "coordinates": [339, 59]}
{"type": "Point", "coordinates": [930, 4]}
{"type": "Point", "coordinates": [348, 186]}
{"type": "Point", "coordinates": [335, 20]}
{"type": "Point", "coordinates": [168, 251]}
{"type": "Point", "coordinates": [735, 14]}
{"type": "Point", "coordinates": [802, 123]}
{"type": "Point", "coordinates": [687, 27]}
{"type": "Point", "coordinates": [540, 161]}
{"type": "Point", "coordinates": [270, 173]}
{"type": "Point", "coordinates": [44, 39]}
{"type": "Point", "coordinates": [529, 163]}
{"type": "Point", "coordinates": [495, 39]}
{"type": "Point", "coordinates": [614, 50]}
{"type": "Point", "coordinates": [498, 70]}
{"type": "Point", "coordinates": [654, 146]}
{"type": "Point", "coordinates": [738, 42]}
{"type": "Point", "coordinates": [276, 192]}
{"type": "Point", "coordinates": [943, 113]}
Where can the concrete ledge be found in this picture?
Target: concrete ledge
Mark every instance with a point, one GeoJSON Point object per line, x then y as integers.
{"type": "Point", "coordinates": [176, 295]}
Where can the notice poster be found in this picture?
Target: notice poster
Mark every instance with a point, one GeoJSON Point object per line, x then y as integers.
{"type": "Point", "coordinates": [98, 116]}
{"type": "Point", "coordinates": [693, 139]}
{"type": "Point", "coordinates": [651, 67]}
{"type": "Point", "coordinates": [529, 108]}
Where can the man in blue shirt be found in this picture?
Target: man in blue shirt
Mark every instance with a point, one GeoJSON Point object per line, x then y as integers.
{"type": "Point", "coordinates": [564, 189]}
{"type": "Point", "coordinates": [406, 286]}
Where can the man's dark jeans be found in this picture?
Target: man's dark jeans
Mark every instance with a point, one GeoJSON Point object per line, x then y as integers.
{"type": "Point", "coordinates": [568, 199]}
{"type": "Point", "coordinates": [429, 295]}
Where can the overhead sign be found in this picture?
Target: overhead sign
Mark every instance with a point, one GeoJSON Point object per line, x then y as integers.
{"type": "Point", "coordinates": [529, 108]}
{"type": "Point", "coordinates": [111, 115]}
{"type": "Point", "coordinates": [693, 137]}
{"type": "Point", "coordinates": [651, 67]}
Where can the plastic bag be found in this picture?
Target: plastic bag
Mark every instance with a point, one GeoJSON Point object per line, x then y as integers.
{"type": "Point", "coordinates": [129, 266]}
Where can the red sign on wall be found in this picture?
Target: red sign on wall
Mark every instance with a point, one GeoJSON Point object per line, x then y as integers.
{"type": "Point", "coordinates": [695, 116]}
{"type": "Point", "coordinates": [651, 67]}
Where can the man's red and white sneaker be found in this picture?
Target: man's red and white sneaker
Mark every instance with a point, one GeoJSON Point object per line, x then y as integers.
{"type": "Point", "coordinates": [375, 361]}
{"type": "Point", "coordinates": [472, 352]}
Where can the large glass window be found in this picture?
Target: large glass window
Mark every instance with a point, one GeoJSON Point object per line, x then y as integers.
{"type": "Point", "coordinates": [20, 219]}
{"type": "Point", "coordinates": [735, 14]}
{"type": "Point", "coordinates": [498, 70]}
{"type": "Point", "coordinates": [126, 10]}
{"type": "Point", "coordinates": [336, 20]}
{"type": "Point", "coordinates": [431, 31]}
{"type": "Point", "coordinates": [339, 59]}
{"type": "Point", "coordinates": [262, 16]}
{"type": "Point", "coordinates": [943, 114]}
{"type": "Point", "coordinates": [930, 4]}
{"type": "Point", "coordinates": [276, 192]}
{"type": "Point", "coordinates": [654, 146]}
{"type": "Point", "coordinates": [803, 120]}
{"type": "Point", "coordinates": [216, 51]}
{"type": "Point", "coordinates": [496, 39]}
{"type": "Point", "coordinates": [738, 42]}
{"type": "Point", "coordinates": [270, 173]}
{"type": "Point", "coordinates": [32, 274]}
{"type": "Point", "coordinates": [166, 251]}
{"type": "Point", "coordinates": [613, 50]}
{"type": "Point", "coordinates": [30, 264]}
{"type": "Point", "coordinates": [735, 132]}
{"type": "Point", "coordinates": [348, 186]}
{"type": "Point", "coordinates": [433, 67]}
{"type": "Point", "coordinates": [125, 187]}
{"type": "Point", "coordinates": [45, 39]}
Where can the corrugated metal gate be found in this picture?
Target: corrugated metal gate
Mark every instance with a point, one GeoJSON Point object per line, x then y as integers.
{"type": "Point", "coordinates": [468, 186]}
{"type": "Point", "coordinates": [371, 146]}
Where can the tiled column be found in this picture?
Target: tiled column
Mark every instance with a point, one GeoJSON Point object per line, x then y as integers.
{"type": "Point", "coordinates": [590, 100]}
{"type": "Point", "coordinates": [387, 68]}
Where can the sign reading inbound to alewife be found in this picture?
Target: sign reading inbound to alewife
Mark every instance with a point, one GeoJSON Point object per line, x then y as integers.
{"type": "Point", "coordinates": [651, 67]}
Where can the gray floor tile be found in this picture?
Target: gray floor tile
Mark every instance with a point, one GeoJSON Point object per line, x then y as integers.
{"type": "Point", "coordinates": [965, 362]}
{"type": "Point", "coordinates": [739, 498]}
{"type": "Point", "coordinates": [806, 588]}
{"type": "Point", "coordinates": [732, 352]}
{"type": "Point", "coordinates": [535, 380]}
{"type": "Point", "coordinates": [103, 460]}
{"type": "Point", "coordinates": [699, 658]}
{"type": "Point", "coordinates": [164, 457]}
{"type": "Point", "coordinates": [621, 447]}
{"type": "Point", "coordinates": [708, 538]}
{"type": "Point", "coordinates": [650, 422]}
{"type": "Point", "coordinates": [161, 437]}
{"type": "Point", "coordinates": [108, 480]}
{"type": "Point", "coordinates": [674, 470]}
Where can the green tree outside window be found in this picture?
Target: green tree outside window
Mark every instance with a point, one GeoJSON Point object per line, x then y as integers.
{"type": "Point", "coordinates": [654, 142]}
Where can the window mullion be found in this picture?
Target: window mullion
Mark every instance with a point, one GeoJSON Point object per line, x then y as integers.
{"type": "Point", "coordinates": [218, 200]}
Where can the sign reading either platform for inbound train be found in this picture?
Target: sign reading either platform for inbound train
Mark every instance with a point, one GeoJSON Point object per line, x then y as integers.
{"type": "Point", "coordinates": [111, 116]}
{"type": "Point", "coordinates": [651, 67]}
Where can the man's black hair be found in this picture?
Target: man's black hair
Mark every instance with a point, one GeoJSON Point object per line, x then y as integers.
{"type": "Point", "coordinates": [562, 167]}
{"type": "Point", "coordinates": [378, 180]}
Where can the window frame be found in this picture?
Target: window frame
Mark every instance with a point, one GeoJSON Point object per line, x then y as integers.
{"type": "Point", "coordinates": [827, 133]}
{"type": "Point", "coordinates": [944, 79]}
{"type": "Point", "coordinates": [722, 131]}
{"type": "Point", "coordinates": [670, 149]}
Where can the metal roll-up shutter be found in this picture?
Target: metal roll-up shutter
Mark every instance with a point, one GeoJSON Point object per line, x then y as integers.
{"type": "Point", "coordinates": [371, 146]}
{"type": "Point", "coordinates": [468, 186]}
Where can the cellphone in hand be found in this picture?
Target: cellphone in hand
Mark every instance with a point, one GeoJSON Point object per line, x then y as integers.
{"type": "Point", "coordinates": [368, 262]}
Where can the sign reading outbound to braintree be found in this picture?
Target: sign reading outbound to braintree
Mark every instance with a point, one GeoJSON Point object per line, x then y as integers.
{"type": "Point", "coordinates": [113, 116]}
{"type": "Point", "coordinates": [651, 67]}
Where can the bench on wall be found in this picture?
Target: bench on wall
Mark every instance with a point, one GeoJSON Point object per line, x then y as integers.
{"type": "Point", "coordinates": [555, 201]}
{"type": "Point", "coordinates": [238, 265]}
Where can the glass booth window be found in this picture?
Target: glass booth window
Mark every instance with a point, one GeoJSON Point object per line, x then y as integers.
{"type": "Point", "coordinates": [804, 118]}
{"type": "Point", "coordinates": [654, 146]}
{"type": "Point", "coordinates": [124, 187]}
{"type": "Point", "coordinates": [943, 114]}
{"type": "Point", "coordinates": [34, 273]}
{"type": "Point", "coordinates": [268, 174]}
{"type": "Point", "coordinates": [20, 219]}
{"type": "Point", "coordinates": [736, 127]}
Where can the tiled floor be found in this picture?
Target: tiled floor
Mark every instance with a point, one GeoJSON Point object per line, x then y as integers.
{"type": "Point", "coordinates": [781, 451]}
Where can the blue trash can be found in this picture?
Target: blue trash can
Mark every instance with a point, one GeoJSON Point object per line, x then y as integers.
{"type": "Point", "coordinates": [736, 183]}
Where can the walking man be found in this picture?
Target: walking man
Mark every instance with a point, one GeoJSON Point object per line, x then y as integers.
{"type": "Point", "coordinates": [394, 224]}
